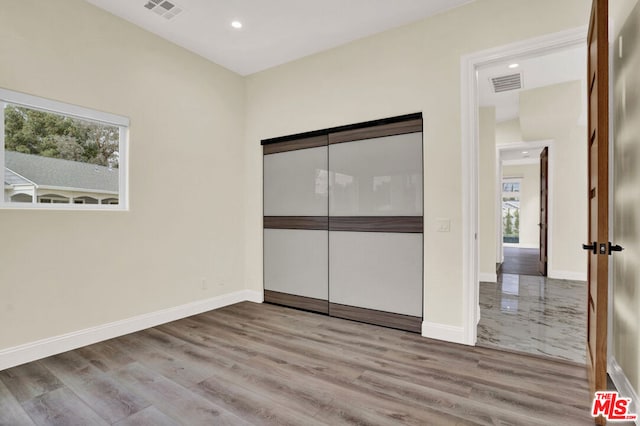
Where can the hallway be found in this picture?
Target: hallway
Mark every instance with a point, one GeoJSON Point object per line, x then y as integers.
{"type": "Point", "coordinates": [534, 314]}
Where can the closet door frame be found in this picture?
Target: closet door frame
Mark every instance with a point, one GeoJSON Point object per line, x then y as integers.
{"type": "Point", "coordinates": [411, 123]}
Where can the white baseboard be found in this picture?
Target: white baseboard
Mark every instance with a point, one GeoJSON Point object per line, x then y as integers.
{"type": "Point", "coordinates": [448, 333]}
{"type": "Point", "coordinates": [625, 389]}
{"type": "Point", "coordinates": [487, 277]}
{"type": "Point", "coordinates": [28, 352]}
{"type": "Point", "coordinates": [254, 296]}
{"type": "Point", "coordinates": [567, 275]}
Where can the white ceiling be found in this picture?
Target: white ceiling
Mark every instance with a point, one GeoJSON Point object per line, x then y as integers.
{"type": "Point", "coordinates": [520, 155]}
{"type": "Point", "coordinates": [539, 71]}
{"type": "Point", "coordinates": [274, 31]}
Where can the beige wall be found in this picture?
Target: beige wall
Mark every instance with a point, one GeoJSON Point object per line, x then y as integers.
{"type": "Point", "coordinates": [626, 217]}
{"type": "Point", "coordinates": [488, 235]}
{"type": "Point", "coordinates": [549, 111]}
{"type": "Point", "coordinates": [529, 201]}
{"type": "Point", "coordinates": [410, 69]}
{"type": "Point", "coordinates": [619, 11]}
{"type": "Point", "coordinates": [552, 112]}
{"type": "Point", "coordinates": [66, 271]}
{"type": "Point", "coordinates": [508, 131]}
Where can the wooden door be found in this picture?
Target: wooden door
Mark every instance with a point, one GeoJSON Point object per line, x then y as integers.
{"type": "Point", "coordinates": [544, 215]}
{"type": "Point", "coordinates": [598, 195]}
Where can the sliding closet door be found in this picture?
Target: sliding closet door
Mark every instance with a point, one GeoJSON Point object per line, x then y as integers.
{"type": "Point", "coordinates": [296, 223]}
{"type": "Point", "coordinates": [343, 221]}
{"type": "Point", "coordinates": [376, 225]}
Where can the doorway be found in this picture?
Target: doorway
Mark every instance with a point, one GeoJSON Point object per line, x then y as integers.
{"type": "Point", "coordinates": [535, 104]}
{"type": "Point", "coordinates": [523, 222]}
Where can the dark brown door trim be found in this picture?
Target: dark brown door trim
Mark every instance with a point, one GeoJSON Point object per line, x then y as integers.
{"type": "Point", "coordinates": [299, 302]}
{"type": "Point", "coordinates": [403, 224]}
{"type": "Point", "coordinates": [393, 129]}
{"type": "Point", "coordinates": [296, 222]}
{"type": "Point", "coordinates": [364, 125]}
{"type": "Point", "coordinates": [395, 224]}
{"type": "Point", "coordinates": [372, 316]}
{"type": "Point", "coordinates": [296, 144]}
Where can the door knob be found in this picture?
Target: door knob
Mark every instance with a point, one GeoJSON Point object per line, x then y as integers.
{"type": "Point", "coordinates": [593, 247]}
{"type": "Point", "coordinates": [613, 248]}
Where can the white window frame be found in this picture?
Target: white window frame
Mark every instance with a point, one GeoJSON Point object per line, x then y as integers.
{"type": "Point", "coordinates": [69, 110]}
{"type": "Point", "coordinates": [510, 180]}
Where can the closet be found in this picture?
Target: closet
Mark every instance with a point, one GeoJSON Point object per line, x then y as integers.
{"type": "Point", "coordinates": [343, 221]}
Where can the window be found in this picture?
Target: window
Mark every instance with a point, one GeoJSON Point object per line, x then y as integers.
{"type": "Point", "coordinates": [511, 186]}
{"type": "Point", "coordinates": [61, 156]}
{"type": "Point", "coordinates": [511, 211]}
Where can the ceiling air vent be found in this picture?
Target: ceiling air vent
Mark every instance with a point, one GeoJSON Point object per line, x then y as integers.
{"type": "Point", "coordinates": [505, 83]}
{"type": "Point", "coordinates": [164, 8]}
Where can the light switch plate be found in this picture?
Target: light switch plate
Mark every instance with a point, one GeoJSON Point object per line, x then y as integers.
{"type": "Point", "coordinates": [443, 225]}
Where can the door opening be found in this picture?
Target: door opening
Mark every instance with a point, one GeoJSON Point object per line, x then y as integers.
{"type": "Point", "coordinates": [522, 218]}
{"type": "Point", "coordinates": [471, 65]}
{"type": "Point", "coordinates": [508, 300]}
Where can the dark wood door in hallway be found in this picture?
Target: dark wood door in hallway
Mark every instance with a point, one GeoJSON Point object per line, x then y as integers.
{"type": "Point", "coordinates": [544, 211]}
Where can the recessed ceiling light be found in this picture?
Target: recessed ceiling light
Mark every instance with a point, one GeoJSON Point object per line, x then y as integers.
{"type": "Point", "coordinates": [236, 24]}
{"type": "Point", "coordinates": [525, 152]}
{"type": "Point", "coordinates": [514, 66]}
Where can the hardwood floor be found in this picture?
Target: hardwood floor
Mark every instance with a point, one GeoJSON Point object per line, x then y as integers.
{"type": "Point", "coordinates": [520, 261]}
{"type": "Point", "coordinates": [264, 364]}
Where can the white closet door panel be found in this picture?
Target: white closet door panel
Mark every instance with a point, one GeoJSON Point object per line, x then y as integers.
{"type": "Point", "coordinates": [376, 270]}
{"type": "Point", "coordinates": [295, 262]}
{"type": "Point", "coordinates": [377, 177]}
{"type": "Point", "coordinates": [296, 183]}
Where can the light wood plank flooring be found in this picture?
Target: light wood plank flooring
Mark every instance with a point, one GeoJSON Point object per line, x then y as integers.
{"type": "Point", "coordinates": [263, 364]}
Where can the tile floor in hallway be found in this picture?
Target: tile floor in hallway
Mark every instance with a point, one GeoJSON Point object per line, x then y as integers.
{"type": "Point", "coordinates": [536, 315]}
